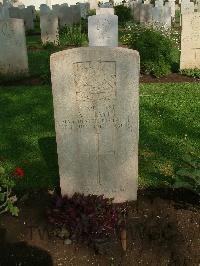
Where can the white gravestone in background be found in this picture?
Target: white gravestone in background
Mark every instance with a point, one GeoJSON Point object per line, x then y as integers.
{"type": "Point", "coordinates": [44, 9]}
{"type": "Point", "coordinates": [104, 10]}
{"type": "Point", "coordinates": [93, 4]}
{"type": "Point", "coordinates": [106, 5]}
{"type": "Point", "coordinates": [190, 41]}
{"type": "Point", "coordinates": [159, 3]}
{"type": "Point", "coordinates": [103, 30]}
{"type": "Point", "coordinates": [65, 16]}
{"type": "Point", "coordinates": [162, 16]}
{"type": "Point", "coordinates": [76, 13]}
{"type": "Point", "coordinates": [49, 29]}
{"type": "Point", "coordinates": [96, 111]}
{"type": "Point", "coordinates": [171, 4]}
{"type": "Point", "coordinates": [13, 51]}
{"type": "Point", "coordinates": [28, 16]}
{"type": "Point", "coordinates": [166, 17]}
{"type": "Point", "coordinates": [55, 9]}
{"type": "Point", "coordinates": [136, 11]}
{"type": "Point", "coordinates": [187, 7]}
{"type": "Point", "coordinates": [146, 13]}
{"type": "Point", "coordinates": [4, 13]}
{"type": "Point", "coordinates": [33, 11]}
{"type": "Point", "coordinates": [14, 12]}
{"type": "Point", "coordinates": [83, 10]}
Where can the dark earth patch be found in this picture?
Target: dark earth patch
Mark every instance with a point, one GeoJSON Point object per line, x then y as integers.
{"type": "Point", "coordinates": [163, 228]}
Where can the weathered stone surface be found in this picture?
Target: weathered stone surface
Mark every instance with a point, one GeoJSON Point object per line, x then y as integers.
{"type": "Point", "coordinates": [187, 7]}
{"type": "Point", "coordinates": [95, 95]}
{"type": "Point", "coordinates": [4, 13]}
{"type": "Point", "coordinates": [106, 5]}
{"type": "Point", "coordinates": [162, 16]}
{"type": "Point", "coordinates": [76, 13]}
{"type": "Point", "coordinates": [84, 8]}
{"type": "Point", "coordinates": [146, 13]}
{"type": "Point", "coordinates": [103, 30]}
{"type": "Point", "coordinates": [93, 4]}
{"type": "Point", "coordinates": [190, 41]}
{"type": "Point", "coordinates": [13, 52]}
{"type": "Point", "coordinates": [55, 9]}
{"type": "Point", "coordinates": [14, 12]}
{"type": "Point", "coordinates": [44, 9]}
{"type": "Point", "coordinates": [136, 12]}
{"type": "Point", "coordinates": [65, 16]}
{"type": "Point", "coordinates": [159, 3]}
{"type": "Point", "coordinates": [166, 17]}
{"type": "Point", "coordinates": [103, 10]}
{"type": "Point", "coordinates": [49, 29]}
{"type": "Point", "coordinates": [171, 4]}
{"type": "Point", "coordinates": [33, 11]}
{"type": "Point", "coordinates": [28, 16]}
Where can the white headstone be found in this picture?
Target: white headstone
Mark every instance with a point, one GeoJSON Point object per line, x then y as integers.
{"type": "Point", "coordinates": [158, 3]}
{"type": "Point", "coordinates": [56, 8]}
{"type": "Point", "coordinates": [44, 9]}
{"type": "Point", "coordinates": [65, 16]}
{"type": "Point", "coordinates": [14, 12]}
{"type": "Point", "coordinates": [33, 11]}
{"type": "Point", "coordinates": [28, 16]}
{"type": "Point", "coordinates": [93, 4]}
{"type": "Point", "coordinates": [187, 7]}
{"type": "Point", "coordinates": [103, 30]}
{"type": "Point", "coordinates": [76, 13]}
{"type": "Point", "coordinates": [49, 29]}
{"type": "Point", "coordinates": [166, 17]}
{"type": "Point", "coordinates": [162, 16]}
{"type": "Point", "coordinates": [106, 5]}
{"type": "Point", "coordinates": [103, 10]}
{"type": "Point", "coordinates": [171, 4]}
{"type": "Point", "coordinates": [13, 51]}
{"type": "Point", "coordinates": [190, 41]}
{"type": "Point", "coordinates": [146, 13]}
{"type": "Point", "coordinates": [4, 13]}
{"type": "Point", "coordinates": [136, 11]}
{"type": "Point", "coordinates": [96, 110]}
{"type": "Point", "coordinates": [83, 10]}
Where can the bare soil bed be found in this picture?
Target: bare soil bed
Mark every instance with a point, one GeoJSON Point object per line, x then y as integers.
{"type": "Point", "coordinates": [163, 228]}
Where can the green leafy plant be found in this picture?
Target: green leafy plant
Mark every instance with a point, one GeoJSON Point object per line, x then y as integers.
{"type": "Point", "coordinates": [92, 12]}
{"type": "Point", "coordinates": [123, 13]}
{"type": "Point", "coordinates": [155, 47]}
{"type": "Point", "coordinates": [7, 183]}
{"type": "Point", "coordinates": [72, 36]}
{"type": "Point", "coordinates": [189, 176]}
{"type": "Point", "coordinates": [194, 73]}
{"type": "Point", "coordinates": [49, 46]}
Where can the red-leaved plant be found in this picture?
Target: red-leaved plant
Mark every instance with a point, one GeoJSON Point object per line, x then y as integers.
{"type": "Point", "coordinates": [85, 217]}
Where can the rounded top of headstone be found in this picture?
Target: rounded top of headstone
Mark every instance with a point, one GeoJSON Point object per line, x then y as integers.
{"type": "Point", "coordinates": [101, 51]}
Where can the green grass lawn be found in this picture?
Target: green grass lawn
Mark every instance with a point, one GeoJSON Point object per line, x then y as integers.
{"type": "Point", "coordinates": [169, 128]}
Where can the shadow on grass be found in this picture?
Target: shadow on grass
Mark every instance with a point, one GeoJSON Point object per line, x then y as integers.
{"type": "Point", "coordinates": [164, 139]}
{"type": "Point", "coordinates": [48, 149]}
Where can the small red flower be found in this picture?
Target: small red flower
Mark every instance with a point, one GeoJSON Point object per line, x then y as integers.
{"type": "Point", "coordinates": [19, 172]}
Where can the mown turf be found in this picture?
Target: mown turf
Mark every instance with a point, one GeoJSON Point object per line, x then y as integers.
{"type": "Point", "coordinates": [169, 128]}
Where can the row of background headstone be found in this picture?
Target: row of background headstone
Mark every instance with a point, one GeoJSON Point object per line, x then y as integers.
{"type": "Point", "coordinates": [102, 30]}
